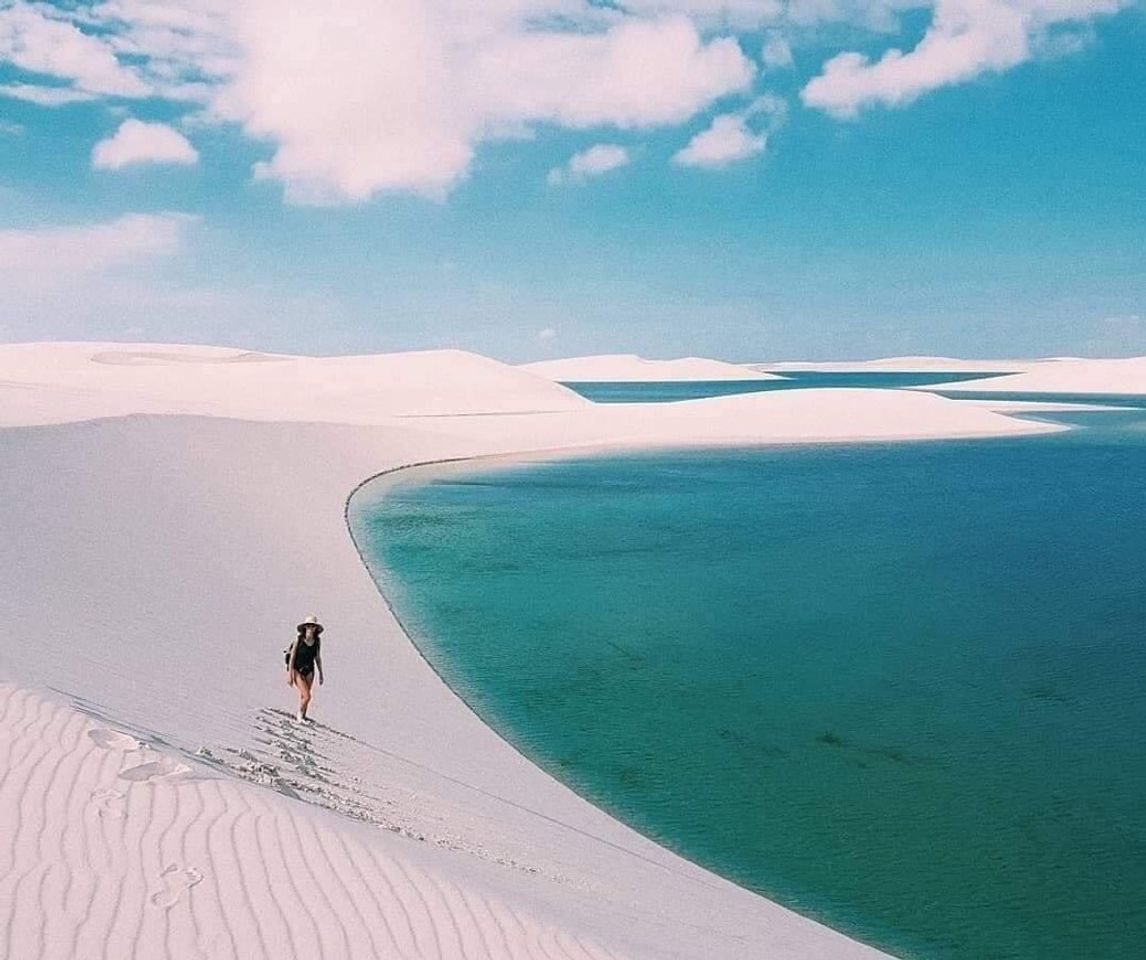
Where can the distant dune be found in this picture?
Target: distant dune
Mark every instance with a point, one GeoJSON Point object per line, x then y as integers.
{"type": "Point", "coordinates": [918, 364]}
{"type": "Point", "coordinates": [1069, 376]}
{"type": "Point", "coordinates": [65, 381]}
{"type": "Point", "coordinates": [629, 368]}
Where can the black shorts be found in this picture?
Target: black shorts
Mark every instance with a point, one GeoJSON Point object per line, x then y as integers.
{"type": "Point", "coordinates": [307, 674]}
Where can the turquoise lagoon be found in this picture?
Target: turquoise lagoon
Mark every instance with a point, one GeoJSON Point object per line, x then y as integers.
{"type": "Point", "coordinates": [673, 391]}
{"type": "Point", "coordinates": [900, 688]}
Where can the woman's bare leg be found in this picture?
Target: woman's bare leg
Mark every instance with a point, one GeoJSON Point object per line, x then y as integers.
{"type": "Point", "coordinates": [302, 684]}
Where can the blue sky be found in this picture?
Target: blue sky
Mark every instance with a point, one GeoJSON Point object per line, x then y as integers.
{"type": "Point", "coordinates": [410, 182]}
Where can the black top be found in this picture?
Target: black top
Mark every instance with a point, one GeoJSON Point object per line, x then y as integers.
{"type": "Point", "coordinates": [305, 653]}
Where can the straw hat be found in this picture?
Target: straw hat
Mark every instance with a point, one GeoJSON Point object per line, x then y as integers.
{"type": "Point", "coordinates": [311, 621]}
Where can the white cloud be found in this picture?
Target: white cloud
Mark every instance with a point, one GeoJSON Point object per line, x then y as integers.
{"type": "Point", "coordinates": [136, 143]}
{"type": "Point", "coordinates": [727, 140]}
{"type": "Point", "coordinates": [45, 96]}
{"type": "Point", "coordinates": [742, 14]}
{"type": "Point", "coordinates": [353, 98]}
{"type": "Point", "coordinates": [776, 54]}
{"type": "Point", "coordinates": [749, 15]}
{"type": "Point", "coordinates": [732, 137]}
{"type": "Point", "coordinates": [966, 38]}
{"type": "Point", "coordinates": [9, 129]}
{"type": "Point", "coordinates": [880, 16]}
{"type": "Point", "coordinates": [56, 255]}
{"type": "Point", "coordinates": [637, 73]}
{"type": "Point", "coordinates": [91, 280]}
{"type": "Point", "coordinates": [592, 162]}
{"type": "Point", "coordinates": [356, 97]}
{"type": "Point", "coordinates": [37, 39]}
{"type": "Point", "coordinates": [355, 122]}
{"type": "Point", "coordinates": [546, 334]}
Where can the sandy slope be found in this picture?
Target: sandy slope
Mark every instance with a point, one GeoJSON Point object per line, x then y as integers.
{"type": "Point", "coordinates": [629, 368]}
{"type": "Point", "coordinates": [1069, 376]}
{"type": "Point", "coordinates": [158, 564]}
{"type": "Point", "coordinates": [114, 848]}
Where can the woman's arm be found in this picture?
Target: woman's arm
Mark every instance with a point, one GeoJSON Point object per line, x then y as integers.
{"type": "Point", "coordinates": [318, 663]}
{"type": "Point", "coordinates": [290, 665]}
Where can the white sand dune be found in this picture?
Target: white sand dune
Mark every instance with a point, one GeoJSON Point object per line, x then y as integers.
{"type": "Point", "coordinates": [629, 368]}
{"type": "Point", "coordinates": [916, 364]}
{"type": "Point", "coordinates": [169, 516]}
{"type": "Point", "coordinates": [112, 848]}
{"type": "Point", "coordinates": [55, 382]}
{"type": "Point", "coordinates": [1126, 376]}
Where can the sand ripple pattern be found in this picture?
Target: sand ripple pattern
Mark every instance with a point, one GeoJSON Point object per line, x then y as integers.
{"type": "Point", "coordinates": [112, 849]}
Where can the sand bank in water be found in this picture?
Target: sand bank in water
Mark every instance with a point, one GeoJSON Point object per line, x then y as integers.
{"type": "Point", "coordinates": [1115, 377]}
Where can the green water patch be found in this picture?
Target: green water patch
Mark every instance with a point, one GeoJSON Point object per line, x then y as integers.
{"type": "Point", "coordinates": [899, 688]}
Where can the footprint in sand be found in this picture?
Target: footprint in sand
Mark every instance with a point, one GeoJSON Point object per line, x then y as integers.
{"type": "Point", "coordinates": [108, 804]}
{"type": "Point", "coordinates": [113, 740]}
{"type": "Point", "coordinates": [174, 883]}
{"type": "Point", "coordinates": [156, 771]}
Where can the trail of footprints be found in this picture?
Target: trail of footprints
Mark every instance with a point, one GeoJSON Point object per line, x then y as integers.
{"type": "Point", "coordinates": [175, 881]}
{"type": "Point", "coordinates": [174, 862]}
{"type": "Point", "coordinates": [311, 762]}
{"type": "Point", "coordinates": [308, 762]}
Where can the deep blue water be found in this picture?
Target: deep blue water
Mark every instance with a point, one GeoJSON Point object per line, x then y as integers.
{"type": "Point", "coordinates": [898, 687]}
{"type": "Point", "coordinates": [670, 392]}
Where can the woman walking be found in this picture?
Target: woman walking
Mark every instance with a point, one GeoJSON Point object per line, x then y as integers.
{"type": "Point", "coordinates": [304, 656]}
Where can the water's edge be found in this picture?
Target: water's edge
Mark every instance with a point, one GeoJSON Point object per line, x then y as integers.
{"type": "Point", "coordinates": [383, 482]}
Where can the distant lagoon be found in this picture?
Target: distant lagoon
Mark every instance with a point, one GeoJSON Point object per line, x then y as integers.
{"type": "Point", "coordinates": [675, 391]}
{"type": "Point", "coordinates": [900, 688]}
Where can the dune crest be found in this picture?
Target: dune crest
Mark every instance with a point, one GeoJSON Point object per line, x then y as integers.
{"type": "Point", "coordinates": [59, 382]}
{"type": "Point", "coordinates": [166, 357]}
{"type": "Point", "coordinates": [909, 364]}
{"type": "Point", "coordinates": [630, 368]}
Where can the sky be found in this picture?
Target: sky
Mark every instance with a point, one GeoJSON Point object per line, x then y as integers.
{"type": "Point", "coordinates": [746, 179]}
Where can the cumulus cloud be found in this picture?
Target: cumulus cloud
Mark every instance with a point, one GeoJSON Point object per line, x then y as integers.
{"type": "Point", "coordinates": [744, 14]}
{"type": "Point", "coordinates": [727, 140]}
{"type": "Point", "coordinates": [58, 253]}
{"type": "Point", "coordinates": [748, 15]}
{"type": "Point", "coordinates": [593, 162]}
{"type": "Point", "coordinates": [732, 137]}
{"type": "Point", "coordinates": [353, 98]}
{"type": "Point", "coordinates": [136, 143]}
{"type": "Point", "coordinates": [37, 39]}
{"type": "Point", "coordinates": [397, 100]}
{"type": "Point", "coordinates": [966, 38]}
